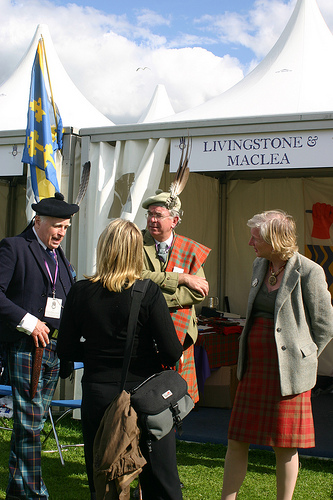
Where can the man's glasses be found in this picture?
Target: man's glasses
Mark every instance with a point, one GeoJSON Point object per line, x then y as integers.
{"type": "Point", "coordinates": [150, 215]}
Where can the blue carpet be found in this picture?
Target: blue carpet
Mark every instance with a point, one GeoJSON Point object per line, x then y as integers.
{"type": "Point", "coordinates": [210, 425]}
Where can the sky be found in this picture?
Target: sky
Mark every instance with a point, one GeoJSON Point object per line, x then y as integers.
{"type": "Point", "coordinates": [196, 49]}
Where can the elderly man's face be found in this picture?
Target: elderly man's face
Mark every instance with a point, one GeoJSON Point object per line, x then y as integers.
{"type": "Point", "coordinates": [51, 230]}
{"type": "Point", "coordinates": [160, 223]}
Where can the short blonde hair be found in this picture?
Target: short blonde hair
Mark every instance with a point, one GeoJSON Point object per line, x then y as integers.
{"type": "Point", "coordinates": [119, 256]}
{"type": "Point", "coordinates": [278, 229]}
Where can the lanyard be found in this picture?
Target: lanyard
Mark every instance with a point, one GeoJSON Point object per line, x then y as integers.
{"type": "Point", "coordinates": [53, 281]}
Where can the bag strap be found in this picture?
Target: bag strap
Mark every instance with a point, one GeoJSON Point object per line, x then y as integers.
{"type": "Point", "coordinates": [138, 292]}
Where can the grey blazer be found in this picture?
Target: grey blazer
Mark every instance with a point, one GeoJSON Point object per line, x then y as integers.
{"type": "Point", "coordinates": [303, 322]}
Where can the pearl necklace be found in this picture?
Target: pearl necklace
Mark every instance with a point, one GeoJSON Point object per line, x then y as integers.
{"type": "Point", "coordinates": [273, 277]}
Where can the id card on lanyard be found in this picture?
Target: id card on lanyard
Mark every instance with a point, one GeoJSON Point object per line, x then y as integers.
{"type": "Point", "coordinates": [53, 305]}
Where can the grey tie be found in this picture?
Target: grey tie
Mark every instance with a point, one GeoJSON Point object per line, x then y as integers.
{"type": "Point", "coordinates": [162, 251]}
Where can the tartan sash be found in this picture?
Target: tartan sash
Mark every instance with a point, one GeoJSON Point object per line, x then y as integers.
{"type": "Point", "coordinates": [189, 256]}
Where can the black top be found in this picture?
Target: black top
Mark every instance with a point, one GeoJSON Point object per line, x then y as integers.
{"type": "Point", "coordinates": [93, 330]}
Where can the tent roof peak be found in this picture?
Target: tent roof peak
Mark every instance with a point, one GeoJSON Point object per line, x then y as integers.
{"type": "Point", "coordinates": [76, 111]}
{"type": "Point", "coordinates": [294, 77]}
{"type": "Point", "coordinates": [158, 107]}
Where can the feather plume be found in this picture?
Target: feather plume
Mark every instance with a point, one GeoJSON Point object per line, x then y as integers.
{"type": "Point", "coordinates": [182, 173]}
{"type": "Point", "coordinates": [84, 182]}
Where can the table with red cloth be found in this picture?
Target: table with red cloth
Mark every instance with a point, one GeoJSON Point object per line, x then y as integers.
{"type": "Point", "coordinates": [216, 346]}
{"type": "Point", "coordinates": [220, 341]}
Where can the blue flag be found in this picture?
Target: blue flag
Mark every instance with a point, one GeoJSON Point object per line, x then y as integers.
{"type": "Point", "coordinates": [44, 133]}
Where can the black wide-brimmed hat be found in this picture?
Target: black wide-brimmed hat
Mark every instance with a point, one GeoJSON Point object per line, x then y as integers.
{"type": "Point", "coordinates": [55, 207]}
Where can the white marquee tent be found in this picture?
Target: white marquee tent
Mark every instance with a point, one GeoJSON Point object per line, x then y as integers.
{"type": "Point", "coordinates": [76, 112]}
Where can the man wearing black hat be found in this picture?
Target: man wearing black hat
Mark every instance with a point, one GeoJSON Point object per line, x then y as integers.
{"type": "Point", "coordinates": [35, 278]}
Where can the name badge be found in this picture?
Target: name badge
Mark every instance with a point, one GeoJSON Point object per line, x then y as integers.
{"type": "Point", "coordinates": [178, 270]}
{"type": "Point", "coordinates": [53, 308]}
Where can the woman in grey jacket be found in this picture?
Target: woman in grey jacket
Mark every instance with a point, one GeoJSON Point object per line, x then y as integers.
{"type": "Point", "coordinates": [289, 323]}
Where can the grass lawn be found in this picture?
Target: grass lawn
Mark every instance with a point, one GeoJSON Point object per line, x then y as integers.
{"type": "Point", "coordinates": [200, 469]}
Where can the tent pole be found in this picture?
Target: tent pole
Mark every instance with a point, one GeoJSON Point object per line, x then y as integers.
{"type": "Point", "coordinates": [68, 153]}
{"type": "Point", "coordinates": [49, 79]}
{"type": "Point", "coordinates": [222, 242]}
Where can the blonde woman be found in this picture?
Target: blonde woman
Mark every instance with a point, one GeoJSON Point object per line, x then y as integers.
{"type": "Point", "coordinates": [289, 322]}
{"type": "Point", "coordinates": [93, 330]}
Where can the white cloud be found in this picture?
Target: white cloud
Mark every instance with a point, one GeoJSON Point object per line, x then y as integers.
{"type": "Point", "coordinates": [191, 40]}
{"type": "Point", "coordinates": [147, 17]}
{"type": "Point", "coordinates": [260, 27]}
{"type": "Point", "coordinates": [256, 30]}
{"type": "Point", "coordinates": [194, 75]}
{"type": "Point", "coordinates": [101, 52]}
{"type": "Point", "coordinates": [268, 19]}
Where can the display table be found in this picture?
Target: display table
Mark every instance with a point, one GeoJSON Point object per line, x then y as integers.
{"type": "Point", "coordinates": [216, 354]}
{"type": "Point", "coordinates": [220, 342]}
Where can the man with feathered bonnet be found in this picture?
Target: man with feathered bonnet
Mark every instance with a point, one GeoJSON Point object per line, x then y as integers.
{"type": "Point", "coordinates": [35, 278]}
{"type": "Point", "coordinates": [176, 263]}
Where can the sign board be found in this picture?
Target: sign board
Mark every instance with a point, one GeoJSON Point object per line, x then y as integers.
{"type": "Point", "coordinates": [10, 160]}
{"type": "Point", "coordinates": [257, 151]}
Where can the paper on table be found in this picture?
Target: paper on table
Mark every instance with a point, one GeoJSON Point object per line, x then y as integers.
{"type": "Point", "coordinates": [202, 330]}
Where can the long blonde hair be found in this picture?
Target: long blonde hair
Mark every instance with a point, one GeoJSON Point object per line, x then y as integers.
{"type": "Point", "coordinates": [119, 256]}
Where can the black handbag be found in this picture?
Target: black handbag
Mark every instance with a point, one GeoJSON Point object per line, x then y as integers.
{"type": "Point", "coordinates": [162, 400]}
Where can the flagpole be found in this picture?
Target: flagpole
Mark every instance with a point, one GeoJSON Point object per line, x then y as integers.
{"type": "Point", "coordinates": [48, 75]}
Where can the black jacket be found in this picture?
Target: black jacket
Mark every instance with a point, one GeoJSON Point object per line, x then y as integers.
{"type": "Point", "coordinates": [25, 284]}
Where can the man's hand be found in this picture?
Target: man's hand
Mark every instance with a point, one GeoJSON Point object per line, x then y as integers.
{"type": "Point", "coordinates": [196, 283]}
{"type": "Point", "coordinates": [40, 334]}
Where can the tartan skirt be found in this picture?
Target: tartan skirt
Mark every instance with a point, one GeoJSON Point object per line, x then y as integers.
{"type": "Point", "coordinates": [260, 415]}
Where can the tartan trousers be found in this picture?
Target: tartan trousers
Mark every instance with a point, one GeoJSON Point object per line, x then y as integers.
{"type": "Point", "coordinates": [25, 473]}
